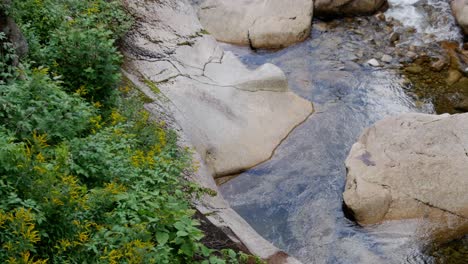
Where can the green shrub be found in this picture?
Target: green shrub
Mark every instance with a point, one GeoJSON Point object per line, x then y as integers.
{"type": "Point", "coordinates": [75, 39]}
{"type": "Point", "coordinates": [37, 104]}
{"type": "Point", "coordinates": [7, 58]}
{"type": "Point", "coordinates": [87, 60]}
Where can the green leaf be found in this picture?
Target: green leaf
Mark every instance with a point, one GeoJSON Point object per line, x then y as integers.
{"type": "Point", "coordinates": [187, 249]}
{"type": "Point", "coordinates": [182, 233]}
{"type": "Point", "coordinates": [162, 237]}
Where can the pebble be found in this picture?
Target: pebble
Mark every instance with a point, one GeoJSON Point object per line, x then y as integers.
{"type": "Point", "coordinates": [453, 77]}
{"type": "Point", "coordinates": [387, 58]}
{"type": "Point", "coordinates": [320, 26]}
{"type": "Point", "coordinates": [414, 69]}
{"type": "Point", "coordinates": [439, 64]}
{"type": "Point", "coordinates": [411, 54]}
{"type": "Point", "coordinates": [394, 37]}
{"type": "Point", "coordinates": [373, 63]}
{"type": "Point", "coordinates": [380, 16]}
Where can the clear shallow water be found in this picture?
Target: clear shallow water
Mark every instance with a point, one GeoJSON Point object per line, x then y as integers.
{"type": "Point", "coordinates": [427, 17]}
{"type": "Point", "coordinates": [295, 199]}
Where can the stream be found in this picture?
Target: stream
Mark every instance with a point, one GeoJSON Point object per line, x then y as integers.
{"type": "Point", "coordinates": [295, 199]}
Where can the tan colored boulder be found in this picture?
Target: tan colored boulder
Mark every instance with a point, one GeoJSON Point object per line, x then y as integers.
{"type": "Point", "coordinates": [348, 7]}
{"type": "Point", "coordinates": [258, 23]}
{"type": "Point", "coordinates": [411, 166]}
{"type": "Point", "coordinates": [460, 11]}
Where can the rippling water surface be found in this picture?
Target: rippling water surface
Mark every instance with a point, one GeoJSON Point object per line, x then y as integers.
{"type": "Point", "coordinates": [295, 199]}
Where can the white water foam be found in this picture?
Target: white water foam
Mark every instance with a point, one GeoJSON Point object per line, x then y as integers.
{"type": "Point", "coordinates": [439, 23]}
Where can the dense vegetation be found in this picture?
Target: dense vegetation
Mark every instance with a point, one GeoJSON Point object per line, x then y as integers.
{"type": "Point", "coordinates": [85, 175]}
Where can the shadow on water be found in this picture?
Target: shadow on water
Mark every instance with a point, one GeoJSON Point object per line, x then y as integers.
{"type": "Point", "coordinates": [295, 199]}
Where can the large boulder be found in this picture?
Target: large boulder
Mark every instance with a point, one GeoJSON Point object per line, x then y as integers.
{"type": "Point", "coordinates": [233, 117]}
{"type": "Point", "coordinates": [460, 11]}
{"type": "Point", "coordinates": [348, 7]}
{"type": "Point", "coordinates": [258, 23]}
{"type": "Point", "coordinates": [411, 166]}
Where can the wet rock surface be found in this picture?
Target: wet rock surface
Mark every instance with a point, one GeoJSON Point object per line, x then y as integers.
{"type": "Point", "coordinates": [334, 8]}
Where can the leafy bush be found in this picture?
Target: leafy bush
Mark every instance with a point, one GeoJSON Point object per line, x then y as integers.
{"type": "Point", "coordinates": [88, 61]}
{"type": "Point", "coordinates": [38, 104]}
{"type": "Point", "coordinates": [75, 39]}
{"type": "Point", "coordinates": [7, 57]}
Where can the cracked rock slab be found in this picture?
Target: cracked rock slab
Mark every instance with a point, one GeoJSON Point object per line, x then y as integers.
{"type": "Point", "coordinates": [258, 23]}
{"type": "Point", "coordinates": [232, 116]}
{"type": "Point", "coordinates": [235, 117]}
{"type": "Point", "coordinates": [460, 11]}
{"type": "Point", "coordinates": [411, 166]}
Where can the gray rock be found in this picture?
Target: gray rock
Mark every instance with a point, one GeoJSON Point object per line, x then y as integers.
{"type": "Point", "coordinates": [411, 166]}
{"type": "Point", "coordinates": [387, 58]}
{"type": "Point", "coordinates": [258, 23]}
{"type": "Point", "coordinates": [373, 63]}
{"type": "Point", "coordinates": [411, 54]}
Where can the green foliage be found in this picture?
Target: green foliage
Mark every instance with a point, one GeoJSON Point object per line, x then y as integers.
{"type": "Point", "coordinates": [75, 39]}
{"type": "Point", "coordinates": [37, 104]}
{"type": "Point", "coordinates": [87, 59]}
{"type": "Point", "coordinates": [7, 57]}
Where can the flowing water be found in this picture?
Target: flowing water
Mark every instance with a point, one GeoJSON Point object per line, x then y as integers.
{"type": "Point", "coordinates": [295, 199]}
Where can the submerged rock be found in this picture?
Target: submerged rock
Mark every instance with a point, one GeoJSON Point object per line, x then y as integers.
{"type": "Point", "coordinates": [460, 11]}
{"type": "Point", "coordinates": [348, 7]}
{"type": "Point", "coordinates": [258, 23]}
{"type": "Point", "coordinates": [411, 166]}
{"type": "Point", "coordinates": [373, 63]}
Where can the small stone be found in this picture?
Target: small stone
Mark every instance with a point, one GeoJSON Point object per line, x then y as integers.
{"type": "Point", "coordinates": [439, 64]}
{"type": "Point", "coordinates": [453, 77]}
{"type": "Point", "coordinates": [320, 26]}
{"type": "Point", "coordinates": [373, 63]}
{"type": "Point", "coordinates": [380, 16]}
{"type": "Point", "coordinates": [394, 37]}
{"type": "Point", "coordinates": [414, 69]}
{"type": "Point", "coordinates": [411, 55]}
{"type": "Point", "coordinates": [387, 58]}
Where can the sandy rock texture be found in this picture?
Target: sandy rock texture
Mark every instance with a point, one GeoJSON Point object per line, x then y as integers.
{"type": "Point", "coordinates": [411, 166]}
{"type": "Point", "coordinates": [258, 23]}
